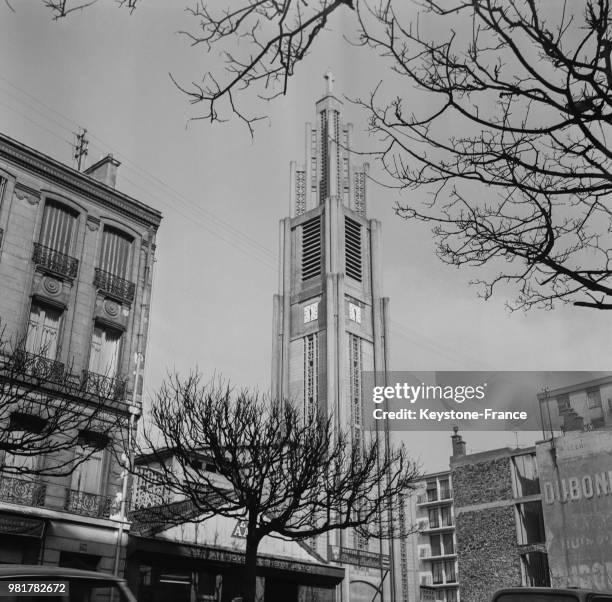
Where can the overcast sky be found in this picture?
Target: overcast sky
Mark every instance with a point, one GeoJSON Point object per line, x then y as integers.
{"type": "Point", "coordinates": [223, 193]}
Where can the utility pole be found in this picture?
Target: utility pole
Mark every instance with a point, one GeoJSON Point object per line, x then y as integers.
{"type": "Point", "coordinates": [80, 148]}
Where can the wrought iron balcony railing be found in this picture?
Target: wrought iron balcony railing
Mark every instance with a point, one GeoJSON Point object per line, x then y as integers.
{"type": "Point", "coordinates": [24, 492]}
{"type": "Point", "coordinates": [54, 261]}
{"type": "Point", "coordinates": [37, 366]}
{"type": "Point", "coordinates": [88, 504]}
{"type": "Point", "coordinates": [114, 285]}
{"type": "Point", "coordinates": [104, 386]}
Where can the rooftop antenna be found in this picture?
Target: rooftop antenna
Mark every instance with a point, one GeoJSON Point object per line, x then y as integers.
{"type": "Point", "coordinates": [80, 148]}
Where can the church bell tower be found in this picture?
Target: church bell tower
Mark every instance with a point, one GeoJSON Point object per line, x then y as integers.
{"type": "Point", "coordinates": [330, 318]}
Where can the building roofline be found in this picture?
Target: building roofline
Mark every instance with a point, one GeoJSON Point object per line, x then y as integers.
{"type": "Point", "coordinates": [491, 454]}
{"type": "Point", "coordinates": [81, 183]}
{"type": "Point", "coordinates": [441, 473]}
{"type": "Point", "coordinates": [603, 380]}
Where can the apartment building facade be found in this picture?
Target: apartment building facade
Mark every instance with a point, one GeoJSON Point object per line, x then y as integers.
{"type": "Point", "coordinates": [76, 259]}
{"type": "Point", "coordinates": [426, 560]}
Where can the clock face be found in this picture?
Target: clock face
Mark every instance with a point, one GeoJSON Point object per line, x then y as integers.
{"type": "Point", "coordinates": [311, 312]}
{"type": "Point", "coordinates": [355, 313]}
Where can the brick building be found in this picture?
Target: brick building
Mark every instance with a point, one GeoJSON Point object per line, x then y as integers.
{"type": "Point", "coordinates": [76, 258]}
{"type": "Point", "coordinates": [499, 521]}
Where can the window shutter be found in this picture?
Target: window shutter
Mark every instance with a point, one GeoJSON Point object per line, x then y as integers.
{"type": "Point", "coordinates": [352, 244]}
{"type": "Point", "coordinates": [311, 249]}
{"type": "Point", "coordinates": [116, 252]}
{"type": "Point", "coordinates": [58, 227]}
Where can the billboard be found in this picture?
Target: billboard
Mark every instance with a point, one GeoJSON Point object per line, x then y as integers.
{"type": "Point", "coordinates": [576, 481]}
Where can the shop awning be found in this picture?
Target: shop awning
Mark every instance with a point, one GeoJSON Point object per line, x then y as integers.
{"type": "Point", "coordinates": [16, 524]}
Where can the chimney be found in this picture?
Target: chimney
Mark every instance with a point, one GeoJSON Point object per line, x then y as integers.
{"type": "Point", "coordinates": [105, 170]}
{"type": "Point", "coordinates": [458, 443]}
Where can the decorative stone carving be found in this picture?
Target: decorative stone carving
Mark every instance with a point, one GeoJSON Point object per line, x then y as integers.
{"type": "Point", "coordinates": [52, 285]}
{"type": "Point", "coordinates": [111, 308]}
{"type": "Point", "coordinates": [93, 223]}
{"type": "Point", "coordinates": [25, 193]}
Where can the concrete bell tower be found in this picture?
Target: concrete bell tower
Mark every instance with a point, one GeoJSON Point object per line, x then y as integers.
{"type": "Point", "coordinates": [330, 318]}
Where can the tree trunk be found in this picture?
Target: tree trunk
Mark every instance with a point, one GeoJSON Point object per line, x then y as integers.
{"type": "Point", "coordinates": [249, 588]}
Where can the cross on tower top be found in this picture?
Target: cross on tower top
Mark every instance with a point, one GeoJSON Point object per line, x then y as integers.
{"type": "Point", "coordinates": [329, 78]}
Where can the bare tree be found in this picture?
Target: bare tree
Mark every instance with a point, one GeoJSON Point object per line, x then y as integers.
{"type": "Point", "coordinates": [46, 412]}
{"type": "Point", "coordinates": [283, 473]}
{"type": "Point", "coordinates": [511, 144]}
{"type": "Point", "coordinates": [501, 125]}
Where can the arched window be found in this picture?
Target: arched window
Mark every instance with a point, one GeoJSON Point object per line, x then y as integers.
{"type": "Point", "coordinates": [58, 227]}
{"type": "Point", "coordinates": [116, 252]}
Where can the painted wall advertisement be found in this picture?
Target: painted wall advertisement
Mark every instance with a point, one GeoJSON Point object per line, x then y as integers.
{"type": "Point", "coordinates": [576, 480]}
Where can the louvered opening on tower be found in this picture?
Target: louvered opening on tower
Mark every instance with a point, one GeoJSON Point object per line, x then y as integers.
{"type": "Point", "coordinates": [352, 245]}
{"type": "Point", "coordinates": [311, 248]}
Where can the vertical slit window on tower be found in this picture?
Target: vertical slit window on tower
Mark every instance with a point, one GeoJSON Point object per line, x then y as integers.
{"type": "Point", "coordinates": [300, 192]}
{"type": "Point", "coordinates": [352, 243]}
{"type": "Point", "coordinates": [337, 142]}
{"type": "Point", "coordinates": [355, 367]}
{"type": "Point", "coordinates": [311, 369]}
{"type": "Point", "coordinates": [324, 183]}
{"type": "Point", "coordinates": [311, 249]}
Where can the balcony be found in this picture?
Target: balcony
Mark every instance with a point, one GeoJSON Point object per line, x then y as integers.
{"type": "Point", "coordinates": [104, 386]}
{"type": "Point", "coordinates": [35, 493]}
{"type": "Point", "coordinates": [42, 368]}
{"type": "Point", "coordinates": [442, 555]}
{"type": "Point", "coordinates": [88, 504]}
{"type": "Point", "coordinates": [114, 285]}
{"type": "Point", "coordinates": [438, 525]}
{"type": "Point", "coordinates": [21, 491]}
{"type": "Point", "coordinates": [54, 261]}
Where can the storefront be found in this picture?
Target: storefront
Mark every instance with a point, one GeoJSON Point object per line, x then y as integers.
{"type": "Point", "coordinates": [203, 562]}
{"type": "Point", "coordinates": [21, 538]}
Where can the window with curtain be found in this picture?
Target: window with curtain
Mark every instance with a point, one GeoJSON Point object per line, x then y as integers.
{"type": "Point", "coordinates": [449, 570]}
{"type": "Point", "coordinates": [87, 475]}
{"type": "Point", "coordinates": [447, 518]}
{"type": "Point", "coordinates": [116, 252]}
{"type": "Point", "coordinates": [58, 227]}
{"type": "Point", "coordinates": [448, 542]}
{"type": "Point", "coordinates": [105, 350]}
{"type": "Point", "coordinates": [437, 568]}
{"type": "Point", "coordinates": [43, 330]}
{"type": "Point", "coordinates": [434, 542]}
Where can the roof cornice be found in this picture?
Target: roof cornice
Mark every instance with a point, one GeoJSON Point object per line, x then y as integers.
{"type": "Point", "coordinates": [62, 175]}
